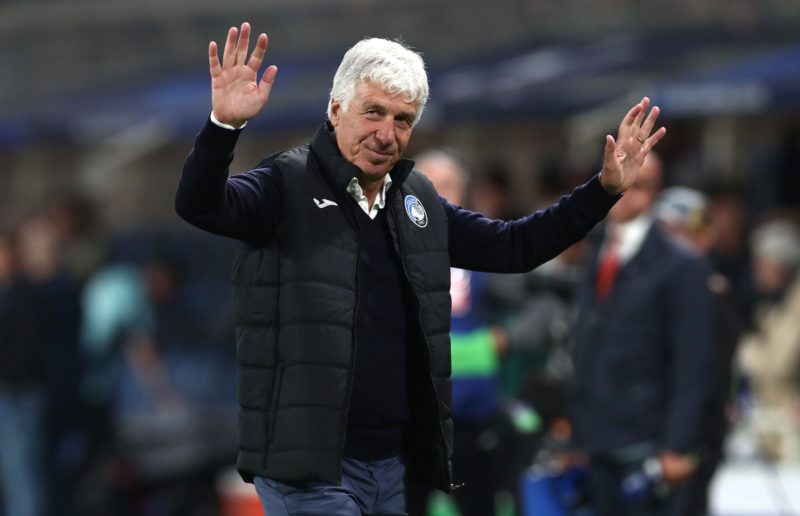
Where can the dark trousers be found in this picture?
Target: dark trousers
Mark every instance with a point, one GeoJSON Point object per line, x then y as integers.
{"type": "Point", "coordinates": [367, 487]}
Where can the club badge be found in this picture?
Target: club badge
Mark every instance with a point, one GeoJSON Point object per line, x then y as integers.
{"type": "Point", "coordinates": [415, 211]}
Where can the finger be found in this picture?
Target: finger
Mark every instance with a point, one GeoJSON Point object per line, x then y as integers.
{"type": "Point", "coordinates": [257, 57]}
{"type": "Point", "coordinates": [609, 152]}
{"type": "Point", "coordinates": [627, 121]}
{"type": "Point", "coordinates": [229, 52]}
{"type": "Point", "coordinates": [610, 143]}
{"type": "Point", "coordinates": [649, 122]}
{"type": "Point", "coordinates": [637, 122]}
{"type": "Point", "coordinates": [213, 60]}
{"type": "Point", "coordinates": [650, 143]}
{"type": "Point", "coordinates": [654, 138]}
{"type": "Point", "coordinates": [244, 43]}
{"type": "Point", "coordinates": [265, 86]}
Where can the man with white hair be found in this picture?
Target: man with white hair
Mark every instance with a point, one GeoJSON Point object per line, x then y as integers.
{"type": "Point", "coordinates": [342, 286]}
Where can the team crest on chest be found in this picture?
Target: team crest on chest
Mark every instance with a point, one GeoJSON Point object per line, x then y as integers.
{"type": "Point", "coordinates": [416, 211]}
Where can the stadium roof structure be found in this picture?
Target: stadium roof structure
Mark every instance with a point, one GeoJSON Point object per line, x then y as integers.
{"type": "Point", "coordinates": [687, 73]}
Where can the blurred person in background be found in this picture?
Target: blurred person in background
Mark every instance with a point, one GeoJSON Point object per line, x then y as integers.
{"type": "Point", "coordinates": [82, 246]}
{"type": "Point", "coordinates": [492, 193]}
{"type": "Point", "coordinates": [41, 259]}
{"type": "Point", "coordinates": [23, 340]}
{"type": "Point", "coordinates": [770, 353]}
{"type": "Point", "coordinates": [643, 344]}
{"type": "Point", "coordinates": [164, 410]}
{"type": "Point", "coordinates": [118, 329]}
{"type": "Point", "coordinates": [162, 387]}
{"type": "Point", "coordinates": [343, 284]}
{"type": "Point", "coordinates": [728, 214]}
{"type": "Point", "coordinates": [476, 349]}
{"type": "Point", "coordinates": [125, 374]}
{"type": "Point", "coordinates": [536, 308]}
{"type": "Point", "coordinates": [501, 409]}
{"type": "Point", "coordinates": [773, 174]}
{"type": "Point", "coordinates": [684, 213]}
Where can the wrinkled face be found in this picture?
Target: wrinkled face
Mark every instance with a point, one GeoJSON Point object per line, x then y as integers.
{"type": "Point", "coordinates": [374, 131]}
{"type": "Point", "coordinates": [640, 197]}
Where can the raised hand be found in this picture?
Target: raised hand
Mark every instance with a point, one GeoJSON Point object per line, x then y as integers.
{"type": "Point", "coordinates": [624, 156]}
{"type": "Point", "coordinates": [236, 94]}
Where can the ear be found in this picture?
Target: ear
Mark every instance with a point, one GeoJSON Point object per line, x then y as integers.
{"type": "Point", "coordinates": [336, 109]}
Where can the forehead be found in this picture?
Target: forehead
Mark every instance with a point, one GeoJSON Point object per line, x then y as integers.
{"type": "Point", "coordinates": [371, 93]}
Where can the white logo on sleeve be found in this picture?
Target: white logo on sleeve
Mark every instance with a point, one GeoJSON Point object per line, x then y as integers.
{"type": "Point", "coordinates": [324, 203]}
{"type": "Point", "coordinates": [415, 211]}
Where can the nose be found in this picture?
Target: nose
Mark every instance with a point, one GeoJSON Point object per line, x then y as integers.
{"type": "Point", "coordinates": [385, 133]}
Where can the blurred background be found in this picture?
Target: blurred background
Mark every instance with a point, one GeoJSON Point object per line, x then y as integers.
{"type": "Point", "coordinates": [120, 332]}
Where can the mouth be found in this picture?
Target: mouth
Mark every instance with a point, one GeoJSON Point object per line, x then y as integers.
{"type": "Point", "coordinates": [382, 156]}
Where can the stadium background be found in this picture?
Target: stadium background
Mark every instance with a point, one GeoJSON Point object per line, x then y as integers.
{"type": "Point", "coordinates": [100, 100]}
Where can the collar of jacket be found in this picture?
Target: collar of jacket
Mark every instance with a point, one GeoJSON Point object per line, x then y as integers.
{"type": "Point", "coordinates": [340, 171]}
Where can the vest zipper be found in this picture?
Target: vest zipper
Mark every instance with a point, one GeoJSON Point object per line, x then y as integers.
{"type": "Point", "coordinates": [437, 412]}
{"type": "Point", "coordinates": [352, 374]}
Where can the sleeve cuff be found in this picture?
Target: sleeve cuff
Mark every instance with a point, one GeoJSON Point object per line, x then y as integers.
{"type": "Point", "coordinates": [600, 197]}
{"type": "Point", "coordinates": [596, 184]}
{"type": "Point", "coordinates": [225, 126]}
{"type": "Point", "coordinates": [215, 139]}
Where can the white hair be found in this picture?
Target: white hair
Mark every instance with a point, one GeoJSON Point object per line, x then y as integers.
{"type": "Point", "coordinates": [447, 156]}
{"type": "Point", "coordinates": [777, 240]}
{"type": "Point", "coordinates": [389, 64]}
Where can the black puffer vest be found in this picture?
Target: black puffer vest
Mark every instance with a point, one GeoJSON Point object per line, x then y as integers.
{"type": "Point", "coordinates": [296, 302]}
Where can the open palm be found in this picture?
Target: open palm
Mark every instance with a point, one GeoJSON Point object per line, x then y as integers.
{"type": "Point", "coordinates": [236, 94]}
{"type": "Point", "coordinates": [624, 156]}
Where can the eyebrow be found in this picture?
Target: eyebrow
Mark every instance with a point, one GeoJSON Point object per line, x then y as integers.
{"type": "Point", "coordinates": [373, 105]}
{"type": "Point", "coordinates": [403, 115]}
{"type": "Point", "coordinates": [406, 116]}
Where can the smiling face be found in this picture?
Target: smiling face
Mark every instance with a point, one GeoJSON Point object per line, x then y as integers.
{"type": "Point", "coordinates": [374, 130]}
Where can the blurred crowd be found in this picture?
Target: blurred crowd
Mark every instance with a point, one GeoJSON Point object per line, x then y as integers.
{"type": "Point", "coordinates": [746, 386]}
{"type": "Point", "coordinates": [117, 391]}
{"type": "Point", "coordinates": [117, 368]}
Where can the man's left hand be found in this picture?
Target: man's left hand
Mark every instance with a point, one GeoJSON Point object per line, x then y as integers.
{"type": "Point", "coordinates": [676, 468]}
{"type": "Point", "coordinates": [624, 156]}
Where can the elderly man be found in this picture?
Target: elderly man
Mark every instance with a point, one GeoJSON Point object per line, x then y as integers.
{"type": "Point", "coordinates": [342, 286]}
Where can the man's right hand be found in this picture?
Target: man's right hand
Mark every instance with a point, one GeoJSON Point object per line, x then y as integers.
{"type": "Point", "coordinates": [236, 95]}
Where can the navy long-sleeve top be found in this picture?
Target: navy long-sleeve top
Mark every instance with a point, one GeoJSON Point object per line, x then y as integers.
{"type": "Point", "coordinates": [247, 207]}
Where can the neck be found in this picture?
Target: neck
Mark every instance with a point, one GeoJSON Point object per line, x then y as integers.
{"type": "Point", "coordinates": [371, 187]}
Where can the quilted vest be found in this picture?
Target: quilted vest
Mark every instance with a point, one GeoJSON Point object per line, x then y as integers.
{"type": "Point", "coordinates": [296, 300]}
